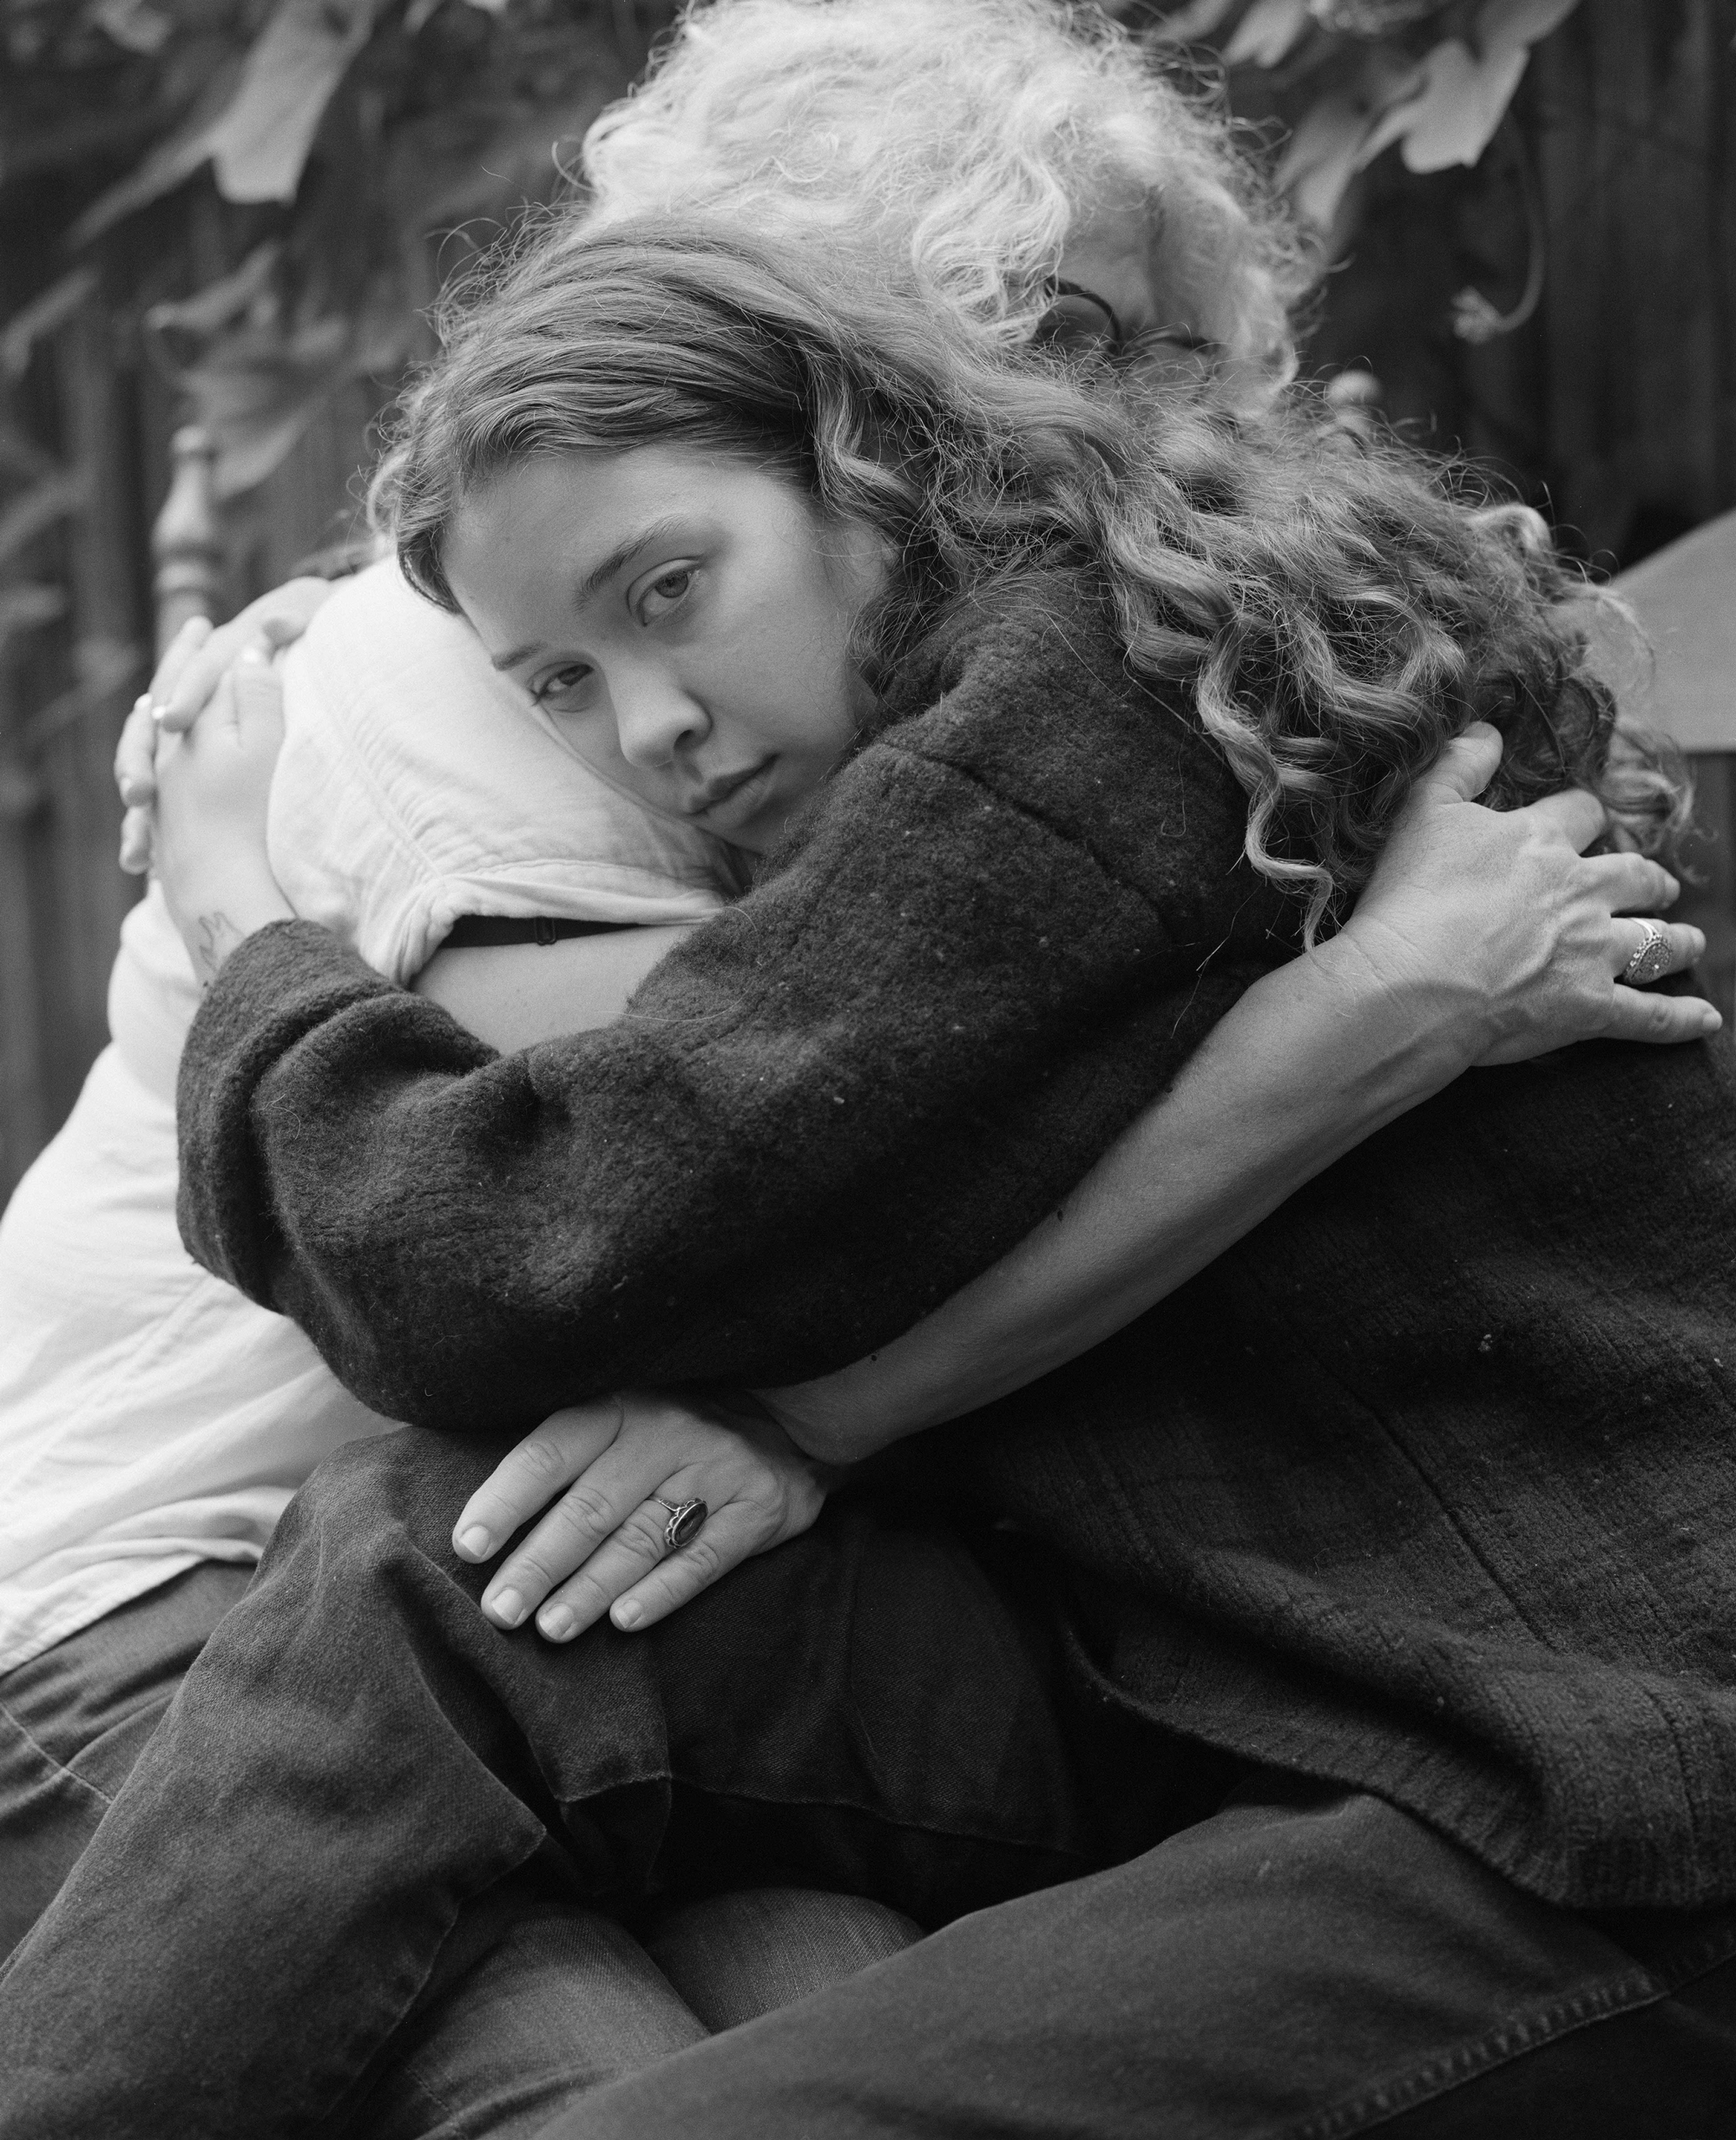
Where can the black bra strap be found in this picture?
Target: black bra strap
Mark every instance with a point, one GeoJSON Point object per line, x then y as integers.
{"type": "Point", "coordinates": [477, 931]}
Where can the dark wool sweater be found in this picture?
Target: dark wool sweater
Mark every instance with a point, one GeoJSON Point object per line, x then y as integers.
{"type": "Point", "coordinates": [1429, 1485]}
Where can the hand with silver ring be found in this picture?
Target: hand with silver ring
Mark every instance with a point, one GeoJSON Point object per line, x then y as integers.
{"type": "Point", "coordinates": [1504, 936]}
{"type": "Point", "coordinates": [192, 665]}
{"type": "Point", "coordinates": [643, 1500]}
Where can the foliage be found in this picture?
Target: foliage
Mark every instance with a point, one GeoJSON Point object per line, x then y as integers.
{"type": "Point", "coordinates": [1354, 78]}
{"type": "Point", "coordinates": [319, 152]}
{"type": "Point", "coordinates": [330, 154]}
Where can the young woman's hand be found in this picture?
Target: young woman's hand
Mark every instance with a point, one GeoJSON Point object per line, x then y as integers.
{"type": "Point", "coordinates": [196, 661]}
{"type": "Point", "coordinates": [213, 783]}
{"type": "Point", "coordinates": [626, 1464]}
{"type": "Point", "coordinates": [1499, 927]}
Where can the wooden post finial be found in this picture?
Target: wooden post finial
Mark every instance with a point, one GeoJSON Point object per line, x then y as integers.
{"type": "Point", "coordinates": [186, 542]}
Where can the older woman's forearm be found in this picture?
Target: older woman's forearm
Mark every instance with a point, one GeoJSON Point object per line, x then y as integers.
{"type": "Point", "coordinates": [1313, 1059]}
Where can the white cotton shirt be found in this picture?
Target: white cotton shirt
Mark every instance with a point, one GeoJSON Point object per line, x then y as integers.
{"type": "Point", "coordinates": [150, 1416]}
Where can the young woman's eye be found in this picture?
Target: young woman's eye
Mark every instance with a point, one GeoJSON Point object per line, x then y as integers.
{"type": "Point", "coordinates": [659, 595]}
{"type": "Point", "coordinates": [563, 683]}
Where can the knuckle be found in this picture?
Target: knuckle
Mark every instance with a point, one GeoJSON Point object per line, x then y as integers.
{"type": "Point", "coordinates": [583, 1508]}
{"type": "Point", "coordinates": [497, 1508]}
{"type": "Point", "coordinates": [544, 1459]}
{"type": "Point", "coordinates": [586, 1597]}
{"type": "Point", "coordinates": [532, 1572]}
{"type": "Point", "coordinates": [766, 1498]}
{"type": "Point", "coordinates": [705, 1560]}
{"type": "Point", "coordinates": [643, 1534]}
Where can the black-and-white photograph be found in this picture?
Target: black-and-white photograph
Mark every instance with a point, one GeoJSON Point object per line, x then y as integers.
{"type": "Point", "coordinates": [867, 1127]}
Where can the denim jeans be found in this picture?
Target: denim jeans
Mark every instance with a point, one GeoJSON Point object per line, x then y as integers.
{"type": "Point", "coordinates": [1308, 1963]}
{"type": "Point", "coordinates": [73, 1722]}
{"type": "Point", "coordinates": [359, 1767]}
{"type": "Point", "coordinates": [559, 2000]}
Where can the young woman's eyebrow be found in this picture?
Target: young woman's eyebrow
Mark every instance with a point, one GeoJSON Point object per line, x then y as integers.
{"type": "Point", "coordinates": [599, 575]}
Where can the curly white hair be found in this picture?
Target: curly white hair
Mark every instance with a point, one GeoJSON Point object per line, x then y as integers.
{"type": "Point", "coordinates": [978, 137]}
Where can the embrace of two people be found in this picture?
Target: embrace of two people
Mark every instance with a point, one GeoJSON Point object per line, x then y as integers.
{"type": "Point", "coordinates": [1070, 1463]}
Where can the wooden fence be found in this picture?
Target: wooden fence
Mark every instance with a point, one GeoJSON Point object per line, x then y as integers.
{"type": "Point", "coordinates": [1616, 403]}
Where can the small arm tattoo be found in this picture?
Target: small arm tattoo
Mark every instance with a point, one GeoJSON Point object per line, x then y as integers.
{"type": "Point", "coordinates": [217, 937]}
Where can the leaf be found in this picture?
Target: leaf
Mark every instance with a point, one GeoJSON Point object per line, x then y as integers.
{"type": "Point", "coordinates": [219, 302]}
{"type": "Point", "coordinates": [26, 609]}
{"type": "Point", "coordinates": [1461, 97]}
{"type": "Point", "coordinates": [41, 507]}
{"type": "Point", "coordinates": [456, 165]}
{"type": "Point", "coordinates": [1373, 18]}
{"type": "Point", "coordinates": [258, 390]}
{"type": "Point", "coordinates": [260, 145]}
{"type": "Point", "coordinates": [171, 163]}
{"type": "Point", "coordinates": [1199, 18]}
{"type": "Point", "coordinates": [1454, 108]}
{"type": "Point", "coordinates": [134, 24]}
{"type": "Point", "coordinates": [1322, 156]}
{"type": "Point", "coordinates": [1267, 32]}
{"type": "Point", "coordinates": [41, 316]}
{"type": "Point", "coordinates": [1511, 24]}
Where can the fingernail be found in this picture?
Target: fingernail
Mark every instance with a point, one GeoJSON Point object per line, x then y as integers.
{"type": "Point", "coordinates": [507, 1606]}
{"type": "Point", "coordinates": [474, 1543]}
{"type": "Point", "coordinates": [252, 656]}
{"type": "Point", "coordinates": [556, 1623]}
{"type": "Point", "coordinates": [628, 1613]}
{"type": "Point", "coordinates": [1711, 1022]}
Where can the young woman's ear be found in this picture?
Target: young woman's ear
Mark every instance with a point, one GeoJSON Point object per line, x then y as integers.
{"type": "Point", "coordinates": [860, 560]}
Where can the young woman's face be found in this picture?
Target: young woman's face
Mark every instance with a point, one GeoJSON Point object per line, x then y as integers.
{"type": "Point", "coordinates": [684, 618]}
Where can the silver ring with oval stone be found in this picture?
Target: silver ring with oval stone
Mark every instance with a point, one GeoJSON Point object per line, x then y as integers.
{"type": "Point", "coordinates": [686, 1520]}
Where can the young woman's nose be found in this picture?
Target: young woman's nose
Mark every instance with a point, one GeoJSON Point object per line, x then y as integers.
{"type": "Point", "coordinates": [655, 716]}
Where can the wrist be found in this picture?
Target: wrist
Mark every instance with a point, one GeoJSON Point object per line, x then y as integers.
{"type": "Point", "coordinates": [217, 911]}
{"type": "Point", "coordinates": [1427, 1030]}
{"type": "Point", "coordinates": [813, 1427]}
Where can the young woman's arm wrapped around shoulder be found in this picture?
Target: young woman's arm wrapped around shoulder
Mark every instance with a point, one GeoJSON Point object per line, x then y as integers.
{"type": "Point", "coordinates": [1000, 938]}
{"type": "Point", "coordinates": [823, 1112]}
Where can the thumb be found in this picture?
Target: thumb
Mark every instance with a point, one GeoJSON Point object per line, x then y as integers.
{"type": "Point", "coordinates": [282, 631]}
{"type": "Point", "coordinates": [258, 694]}
{"type": "Point", "coordinates": [1468, 764]}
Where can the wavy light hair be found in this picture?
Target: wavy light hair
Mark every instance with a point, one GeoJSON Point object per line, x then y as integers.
{"type": "Point", "coordinates": [970, 138]}
{"type": "Point", "coordinates": [1335, 613]}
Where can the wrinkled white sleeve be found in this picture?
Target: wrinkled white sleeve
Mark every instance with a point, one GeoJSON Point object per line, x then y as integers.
{"type": "Point", "coordinates": [417, 785]}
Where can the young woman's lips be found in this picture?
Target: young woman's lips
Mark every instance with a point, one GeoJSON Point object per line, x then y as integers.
{"type": "Point", "coordinates": [734, 797]}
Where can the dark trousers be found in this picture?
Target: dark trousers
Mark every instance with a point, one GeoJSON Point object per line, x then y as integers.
{"type": "Point", "coordinates": [282, 1890]}
{"type": "Point", "coordinates": [73, 1722]}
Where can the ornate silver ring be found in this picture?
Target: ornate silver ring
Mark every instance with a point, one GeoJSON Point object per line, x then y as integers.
{"type": "Point", "coordinates": [1652, 960]}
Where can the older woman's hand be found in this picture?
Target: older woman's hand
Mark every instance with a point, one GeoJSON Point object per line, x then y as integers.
{"type": "Point", "coordinates": [622, 1469]}
{"type": "Point", "coordinates": [1501, 929]}
{"type": "Point", "coordinates": [194, 662]}
{"type": "Point", "coordinates": [214, 784]}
